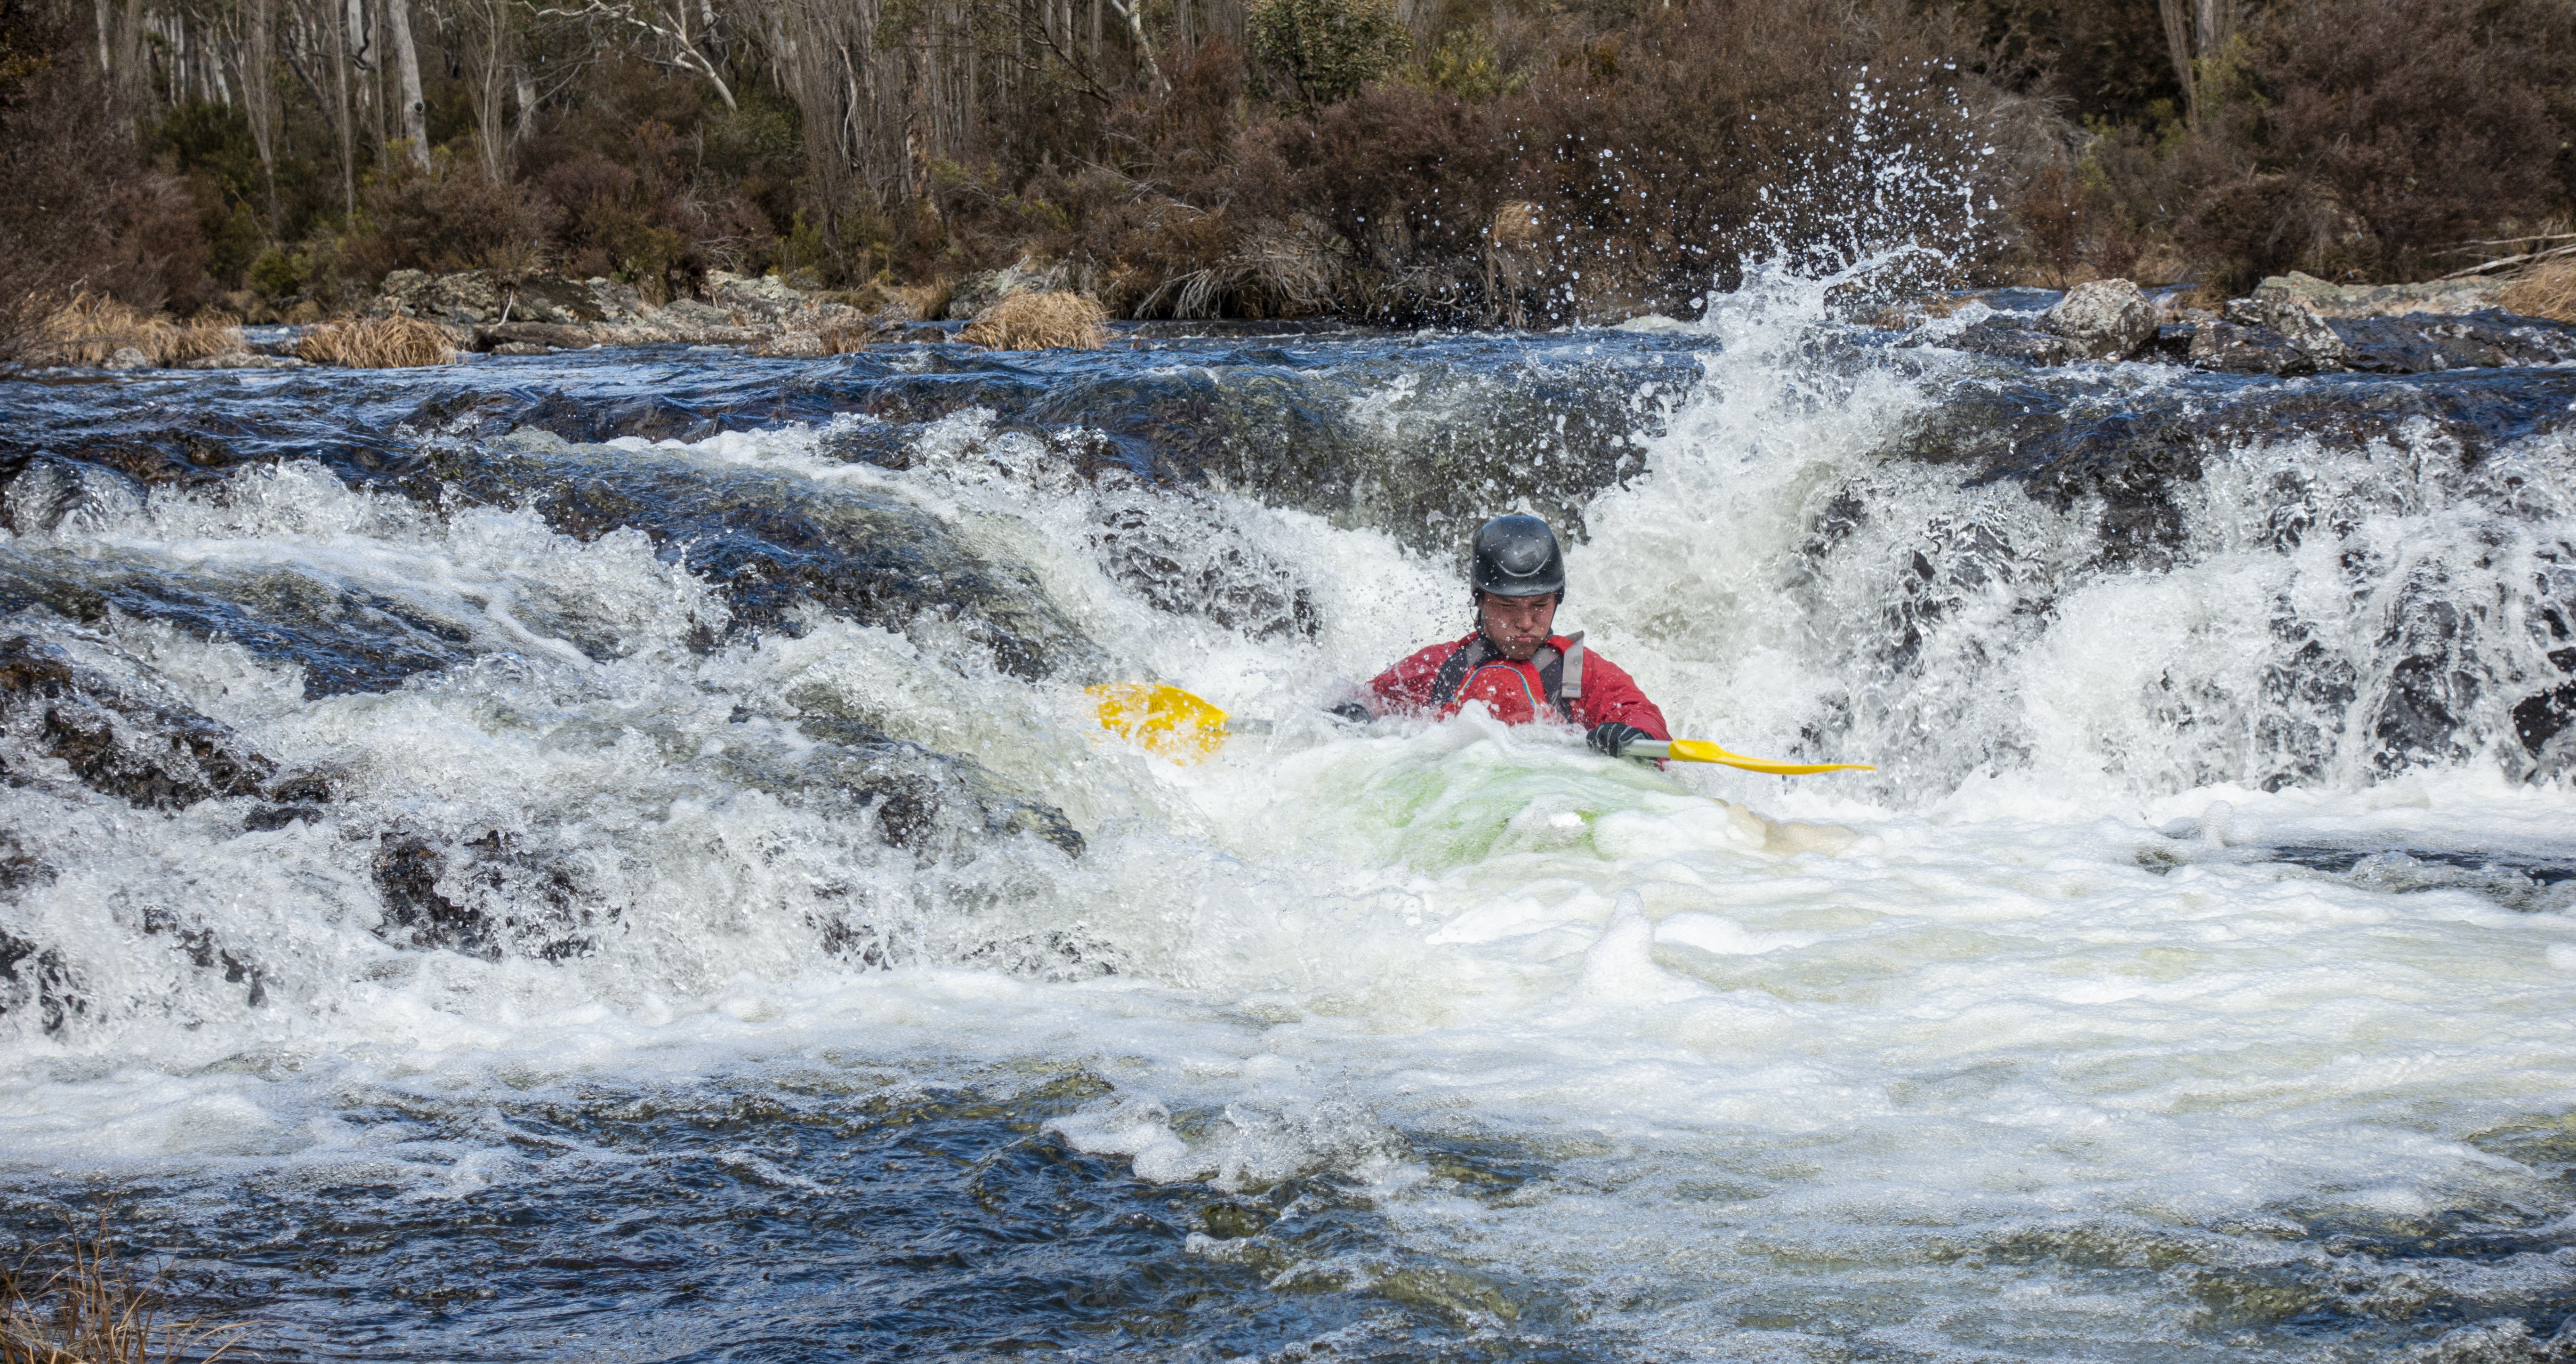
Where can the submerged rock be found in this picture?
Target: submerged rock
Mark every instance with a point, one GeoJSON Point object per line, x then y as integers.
{"type": "Point", "coordinates": [487, 895]}
{"type": "Point", "coordinates": [2236, 348]}
{"type": "Point", "coordinates": [779, 544]}
{"type": "Point", "coordinates": [2007, 339]}
{"type": "Point", "coordinates": [934, 805]}
{"type": "Point", "coordinates": [35, 981]}
{"type": "Point", "coordinates": [115, 744]}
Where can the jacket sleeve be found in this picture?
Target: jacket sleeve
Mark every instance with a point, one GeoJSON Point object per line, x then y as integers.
{"type": "Point", "coordinates": [1406, 687]}
{"type": "Point", "coordinates": [1610, 694]}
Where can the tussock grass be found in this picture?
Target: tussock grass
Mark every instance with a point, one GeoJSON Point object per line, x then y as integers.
{"type": "Point", "coordinates": [2548, 290]}
{"type": "Point", "coordinates": [378, 343]}
{"type": "Point", "coordinates": [91, 329]}
{"type": "Point", "coordinates": [1050, 321]}
{"type": "Point", "coordinates": [926, 302]}
{"type": "Point", "coordinates": [92, 1311]}
{"type": "Point", "coordinates": [847, 337]}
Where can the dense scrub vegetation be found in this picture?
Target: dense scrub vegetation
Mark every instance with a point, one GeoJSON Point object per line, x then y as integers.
{"type": "Point", "coordinates": [1520, 160]}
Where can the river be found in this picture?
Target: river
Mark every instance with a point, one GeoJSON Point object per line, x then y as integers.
{"type": "Point", "coordinates": [607, 856]}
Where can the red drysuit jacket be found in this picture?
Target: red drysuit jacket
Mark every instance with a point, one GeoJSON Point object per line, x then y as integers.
{"type": "Point", "coordinates": [1516, 693]}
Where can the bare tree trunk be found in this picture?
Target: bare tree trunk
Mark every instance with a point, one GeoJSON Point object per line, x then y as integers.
{"type": "Point", "coordinates": [415, 111]}
{"type": "Point", "coordinates": [339, 33]}
{"type": "Point", "coordinates": [2217, 25]}
{"type": "Point", "coordinates": [2178, 46]}
{"type": "Point", "coordinates": [524, 88]}
{"type": "Point", "coordinates": [132, 74]}
{"type": "Point", "coordinates": [488, 63]}
{"type": "Point", "coordinates": [259, 101]}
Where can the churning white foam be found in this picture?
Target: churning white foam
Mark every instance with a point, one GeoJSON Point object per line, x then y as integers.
{"type": "Point", "coordinates": [1763, 1068]}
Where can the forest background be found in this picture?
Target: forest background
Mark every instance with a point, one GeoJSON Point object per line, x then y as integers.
{"type": "Point", "coordinates": [1404, 161]}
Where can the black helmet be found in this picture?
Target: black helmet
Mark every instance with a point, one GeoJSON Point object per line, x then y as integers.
{"type": "Point", "coordinates": [1517, 556]}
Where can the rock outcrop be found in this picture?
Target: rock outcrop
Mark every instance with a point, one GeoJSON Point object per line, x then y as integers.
{"type": "Point", "coordinates": [2292, 325]}
{"type": "Point", "coordinates": [2449, 297]}
{"type": "Point", "coordinates": [536, 316]}
{"type": "Point", "coordinates": [2105, 319]}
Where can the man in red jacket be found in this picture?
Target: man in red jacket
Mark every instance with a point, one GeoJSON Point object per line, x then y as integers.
{"type": "Point", "coordinates": [1512, 663]}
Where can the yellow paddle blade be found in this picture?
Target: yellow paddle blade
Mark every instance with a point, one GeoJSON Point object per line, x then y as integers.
{"type": "Point", "coordinates": [1165, 721]}
{"type": "Point", "coordinates": [1702, 751]}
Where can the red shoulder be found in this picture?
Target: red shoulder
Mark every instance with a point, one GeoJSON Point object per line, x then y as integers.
{"type": "Point", "coordinates": [1609, 693]}
{"type": "Point", "coordinates": [1409, 681]}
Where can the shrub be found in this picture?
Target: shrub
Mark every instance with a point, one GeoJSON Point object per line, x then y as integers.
{"type": "Point", "coordinates": [1325, 49]}
{"type": "Point", "coordinates": [1735, 131]}
{"type": "Point", "coordinates": [78, 209]}
{"type": "Point", "coordinates": [450, 218]}
{"type": "Point", "coordinates": [2362, 137]}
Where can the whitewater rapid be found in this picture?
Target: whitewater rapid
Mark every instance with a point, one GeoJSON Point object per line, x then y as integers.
{"type": "Point", "coordinates": [2141, 1005]}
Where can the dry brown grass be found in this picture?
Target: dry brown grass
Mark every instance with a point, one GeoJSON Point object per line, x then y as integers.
{"type": "Point", "coordinates": [1050, 321]}
{"type": "Point", "coordinates": [2546, 291]}
{"type": "Point", "coordinates": [378, 343]}
{"type": "Point", "coordinates": [91, 329]}
{"type": "Point", "coordinates": [926, 302]}
{"type": "Point", "coordinates": [846, 337]}
{"type": "Point", "coordinates": [92, 1311]}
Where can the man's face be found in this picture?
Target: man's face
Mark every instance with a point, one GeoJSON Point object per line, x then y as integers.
{"type": "Point", "coordinates": [1517, 625]}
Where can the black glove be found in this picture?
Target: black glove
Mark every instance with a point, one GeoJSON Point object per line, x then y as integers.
{"type": "Point", "coordinates": [1352, 711]}
{"type": "Point", "coordinates": [1610, 737]}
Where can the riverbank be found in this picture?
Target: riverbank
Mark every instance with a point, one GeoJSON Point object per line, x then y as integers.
{"type": "Point", "coordinates": [2288, 325]}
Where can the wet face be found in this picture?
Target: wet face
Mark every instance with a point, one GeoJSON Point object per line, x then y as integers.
{"type": "Point", "coordinates": [1516, 625]}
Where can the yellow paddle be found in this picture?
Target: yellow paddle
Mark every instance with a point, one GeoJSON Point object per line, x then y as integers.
{"type": "Point", "coordinates": [1171, 723]}
{"type": "Point", "coordinates": [1167, 721]}
{"type": "Point", "coordinates": [1702, 751]}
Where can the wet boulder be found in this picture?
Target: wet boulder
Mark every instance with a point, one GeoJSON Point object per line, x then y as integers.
{"type": "Point", "coordinates": [2235, 348]}
{"type": "Point", "coordinates": [151, 755]}
{"type": "Point", "coordinates": [487, 894]}
{"type": "Point", "coordinates": [934, 805]}
{"type": "Point", "coordinates": [543, 335]}
{"type": "Point", "coordinates": [2425, 344]}
{"type": "Point", "coordinates": [36, 984]}
{"type": "Point", "coordinates": [2105, 319]}
{"type": "Point", "coordinates": [2295, 323]}
{"type": "Point", "coordinates": [1180, 555]}
{"type": "Point", "coordinates": [779, 544]}
{"type": "Point", "coordinates": [2007, 339]}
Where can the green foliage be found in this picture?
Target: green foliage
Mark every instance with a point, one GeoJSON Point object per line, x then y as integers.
{"type": "Point", "coordinates": [1467, 65]}
{"type": "Point", "coordinates": [1326, 49]}
{"type": "Point", "coordinates": [233, 242]}
{"type": "Point", "coordinates": [213, 140]}
{"type": "Point", "coordinates": [274, 276]}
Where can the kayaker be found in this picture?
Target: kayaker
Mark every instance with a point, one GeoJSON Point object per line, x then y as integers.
{"type": "Point", "coordinates": [1513, 663]}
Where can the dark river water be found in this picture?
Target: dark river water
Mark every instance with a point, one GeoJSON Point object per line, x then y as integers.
{"type": "Point", "coordinates": [608, 856]}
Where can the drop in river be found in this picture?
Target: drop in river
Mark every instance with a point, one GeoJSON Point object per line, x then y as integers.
{"type": "Point", "coordinates": [608, 856]}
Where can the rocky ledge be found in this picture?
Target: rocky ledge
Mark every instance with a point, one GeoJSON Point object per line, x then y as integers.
{"type": "Point", "coordinates": [2289, 325]}
{"type": "Point", "coordinates": [548, 313]}
{"type": "Point", "coordinates": [762, 313]}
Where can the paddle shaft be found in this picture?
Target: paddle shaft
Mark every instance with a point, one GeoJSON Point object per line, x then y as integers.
{"type": "Point", "coordinates": [1702, 751]}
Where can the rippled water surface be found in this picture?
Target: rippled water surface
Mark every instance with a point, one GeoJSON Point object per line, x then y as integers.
{"type": "Point", "coordinates": [608, 855]}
